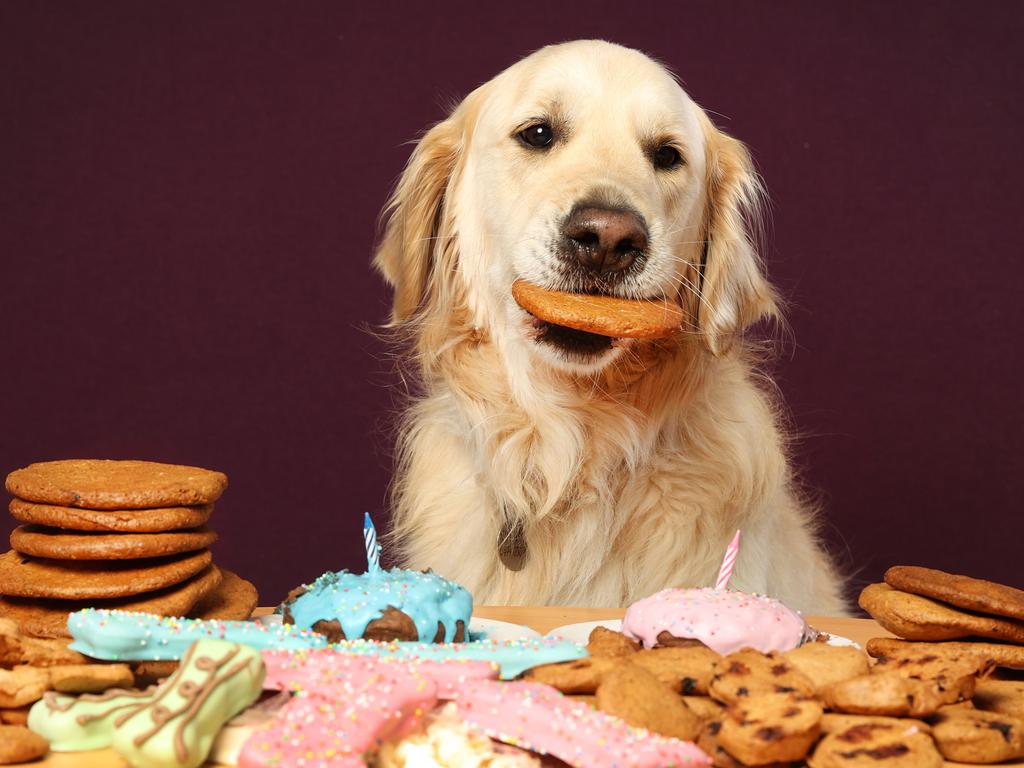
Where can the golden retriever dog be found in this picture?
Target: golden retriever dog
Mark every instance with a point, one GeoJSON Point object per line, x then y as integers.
{"type": "Point", "coordinates": [542, 465]}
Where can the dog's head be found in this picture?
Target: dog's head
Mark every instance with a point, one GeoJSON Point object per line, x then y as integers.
{"type": "Point", "coordinates": [584, 168]}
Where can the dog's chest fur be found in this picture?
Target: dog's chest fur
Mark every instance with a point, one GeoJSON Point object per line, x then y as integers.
{"type": "Point", "coordinates": [608, 495]}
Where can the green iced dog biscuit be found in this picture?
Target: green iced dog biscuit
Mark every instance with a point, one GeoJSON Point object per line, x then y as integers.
{"type": "Point", "coordinates": [176, 729]}
{"type": "Point", "coordinates": [76, 724]}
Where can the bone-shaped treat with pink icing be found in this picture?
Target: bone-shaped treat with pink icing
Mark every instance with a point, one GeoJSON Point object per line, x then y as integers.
{"type": "Point", "coordinates": [341, 710]}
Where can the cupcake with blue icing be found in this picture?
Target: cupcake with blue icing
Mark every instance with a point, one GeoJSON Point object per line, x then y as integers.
{"type": "Point", "coordinates": [382, 605]}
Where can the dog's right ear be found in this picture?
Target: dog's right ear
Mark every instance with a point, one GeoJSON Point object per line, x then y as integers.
{"type": "Point", "coordinates": [415, 241]}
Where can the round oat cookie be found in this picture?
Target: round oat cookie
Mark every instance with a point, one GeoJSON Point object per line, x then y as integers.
{"type": "Point", "coordinates": [155, 520]}
{"type": "Point", "coordinates": [1003, 696]}
{"type": "Point", "coordinates": [1001, 654]}
{"type": "Point", "coordinates": [234, 599]}
{"type": "Point", "coordinates": [601, 315]}
{"type": "Point", "coordinates": [973, 736]}
{"type": "Point", "coordinates": [105, 484]}
{"type": "Point", "coordinates": [961, 591]}
{"type": "Point", "coordinates": [22, 576]}
{"type": "Point", "coordinates": [20, 745]}
{"type": "Point", "coordinates": [895, 695]}
{"type": "Point", "coordinates": [771, 728]}
{"type": "Point", "coordinates": [920, 618]}
{"type": "Point", "coordinates": [639, 698]}
{"type": "Point", "coordinates": [56, 544]}
{"type": "Point", "coordinates": [826, 664]}
{"type": "Point", "coordinates": [876, 744]}
{"type": "Point", "coordinates": [748, 673]}
{"type": "Point", "coordinates": [49, 618]}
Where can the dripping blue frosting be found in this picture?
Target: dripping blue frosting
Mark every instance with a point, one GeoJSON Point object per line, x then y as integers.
{"type": "Point", "coordinates": [123, 636]}
{"type": "Point", "coordinates": [129, 636]}
{"type": "Point", "coordinates": [354, 600]}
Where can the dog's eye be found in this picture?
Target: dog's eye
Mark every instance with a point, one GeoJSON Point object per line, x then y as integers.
{"type": "Point", "coordinates": [667, 157]}
{"type": "Point", "coordinates": [537, 136]}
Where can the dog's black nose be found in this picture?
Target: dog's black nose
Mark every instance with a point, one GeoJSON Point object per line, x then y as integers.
{"type": "Point", "coordinates": [605, 239]}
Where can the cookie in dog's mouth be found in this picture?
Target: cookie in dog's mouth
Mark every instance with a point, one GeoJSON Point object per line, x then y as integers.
{"type": "Point", "coordinates": [570, 340]}
{"type": "Point", "coordinates": [587, 325]}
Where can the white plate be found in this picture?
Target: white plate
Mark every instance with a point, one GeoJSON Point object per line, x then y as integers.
{"type": "Point", "coordinates": [580, 633]}
{"type": "Point", "coordinates": [478, 628]}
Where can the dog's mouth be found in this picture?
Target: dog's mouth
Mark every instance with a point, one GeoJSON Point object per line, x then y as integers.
{"type": "Point", "coordinates": [570, 341]}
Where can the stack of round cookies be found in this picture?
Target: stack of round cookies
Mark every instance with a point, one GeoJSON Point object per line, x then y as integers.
{"type": "Point", "coordinates": [130, 535]}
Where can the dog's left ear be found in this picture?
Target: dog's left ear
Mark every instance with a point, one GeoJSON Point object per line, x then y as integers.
{"type": "Point", "coordinates": [733, 290]}
{"type": "Point", "coordinates": [414, 243]}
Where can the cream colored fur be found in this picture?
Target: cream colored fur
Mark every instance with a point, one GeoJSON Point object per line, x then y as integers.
{"type": "Point", "coordinates": [630, 472]}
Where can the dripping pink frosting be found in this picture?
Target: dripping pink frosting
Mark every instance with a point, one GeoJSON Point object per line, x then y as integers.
{"type": "Point", "coordinates": [724, 621]}
{"type": "Point", "coordinates": [340, 710]}
{"type": "Point", "coordinates": [539, 718]}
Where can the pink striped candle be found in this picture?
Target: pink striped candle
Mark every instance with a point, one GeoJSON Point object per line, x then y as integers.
{"type": "Point", "coordinates": [728, 562]}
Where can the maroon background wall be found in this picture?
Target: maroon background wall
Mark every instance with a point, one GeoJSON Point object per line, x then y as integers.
{"type": "Point", "coordinates": [188, 200]}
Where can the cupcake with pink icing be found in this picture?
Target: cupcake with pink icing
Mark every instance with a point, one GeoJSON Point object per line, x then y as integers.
{"type": "Point", "coordinates": [722, 620]}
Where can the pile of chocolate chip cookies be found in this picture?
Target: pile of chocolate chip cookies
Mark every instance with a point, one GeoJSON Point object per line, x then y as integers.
{"type": "Point", "coordinates": [114, 534]}
{"type": "Point", "coordinates": [821, 705]}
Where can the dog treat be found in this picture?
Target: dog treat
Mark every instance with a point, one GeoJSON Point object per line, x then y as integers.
{"type": "Point", "coordinates": [77, 724]}
{"type": "Point", "coordinates": [894, 695]}
{"type": "Point", "coordinates": [972, 736]}
{"type": "Point", "coordinates": [601, 315]}
{"type": "Point", "coordinates": [22, 576]}
{"type": "Point", "coordinates": [1001, 654]}
{"type": "Point", "coordinates": [724, 621]}
{"type": "Point", "coordinates": [22, 685]}
{"type": "Point", "coordinates": [20, 745]}
{"type": "Point", "coordinates": [114, 520]}
{"type": "Point", "coordinates": [49, 618]}
{"type": "Point", "coordinates": [149, 672]}
{"type": "Point", "coordinates": [876, 744]}
{"type": "Point", "coordinates": [749, 673]}
{"type": "Point", "coordinates": [919, 618]}
{"type": "Point", "coordinates": [89, 678]}
{"type": "Point", "coordinates": [611, 644]}
{"type": "Point", "coordinates": [1003, 696]}
{"type": "Point", "coordinates": [447, 740]}
{"type": "Point", "coordinates": [826, 664]}
{"type": "Point", "coordinates": [356, 704]}
{"type": "Point", "coordinates": [773, 727]}
{"type": "Point", "coordinates": [639, 698]}
{"type": "Point", "coordinates": [685, 670]}
{"type": "Point", "coordinates": [577, 676]}
{"type": "Point", "coordinates": [56, 544]}
{"type": "Point", "coordinates": [18, 648]}
{"type": "Point", "coordinates": [130, 636]}
{"type": "Point", "coordinates": [391, 604]}
{"type": "Point", "coordinates": [176, 728]}
{"type": "Point", "coordinates": [541, 719]}
{"type": "Point", "coordinates": [15, 715]}
{"type": "Point", "coordinates": [102, 484]}
{"type": "Point", "coordinates": [961, 591]}
{"type": "Point", "coordinates": [234, 599]}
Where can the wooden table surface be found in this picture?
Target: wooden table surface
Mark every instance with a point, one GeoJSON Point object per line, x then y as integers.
{"type": "Point", "coordinates": [541, 619]}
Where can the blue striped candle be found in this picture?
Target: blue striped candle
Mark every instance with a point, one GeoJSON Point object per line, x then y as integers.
{"type": "Point", "coordinates": [372, 548]}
